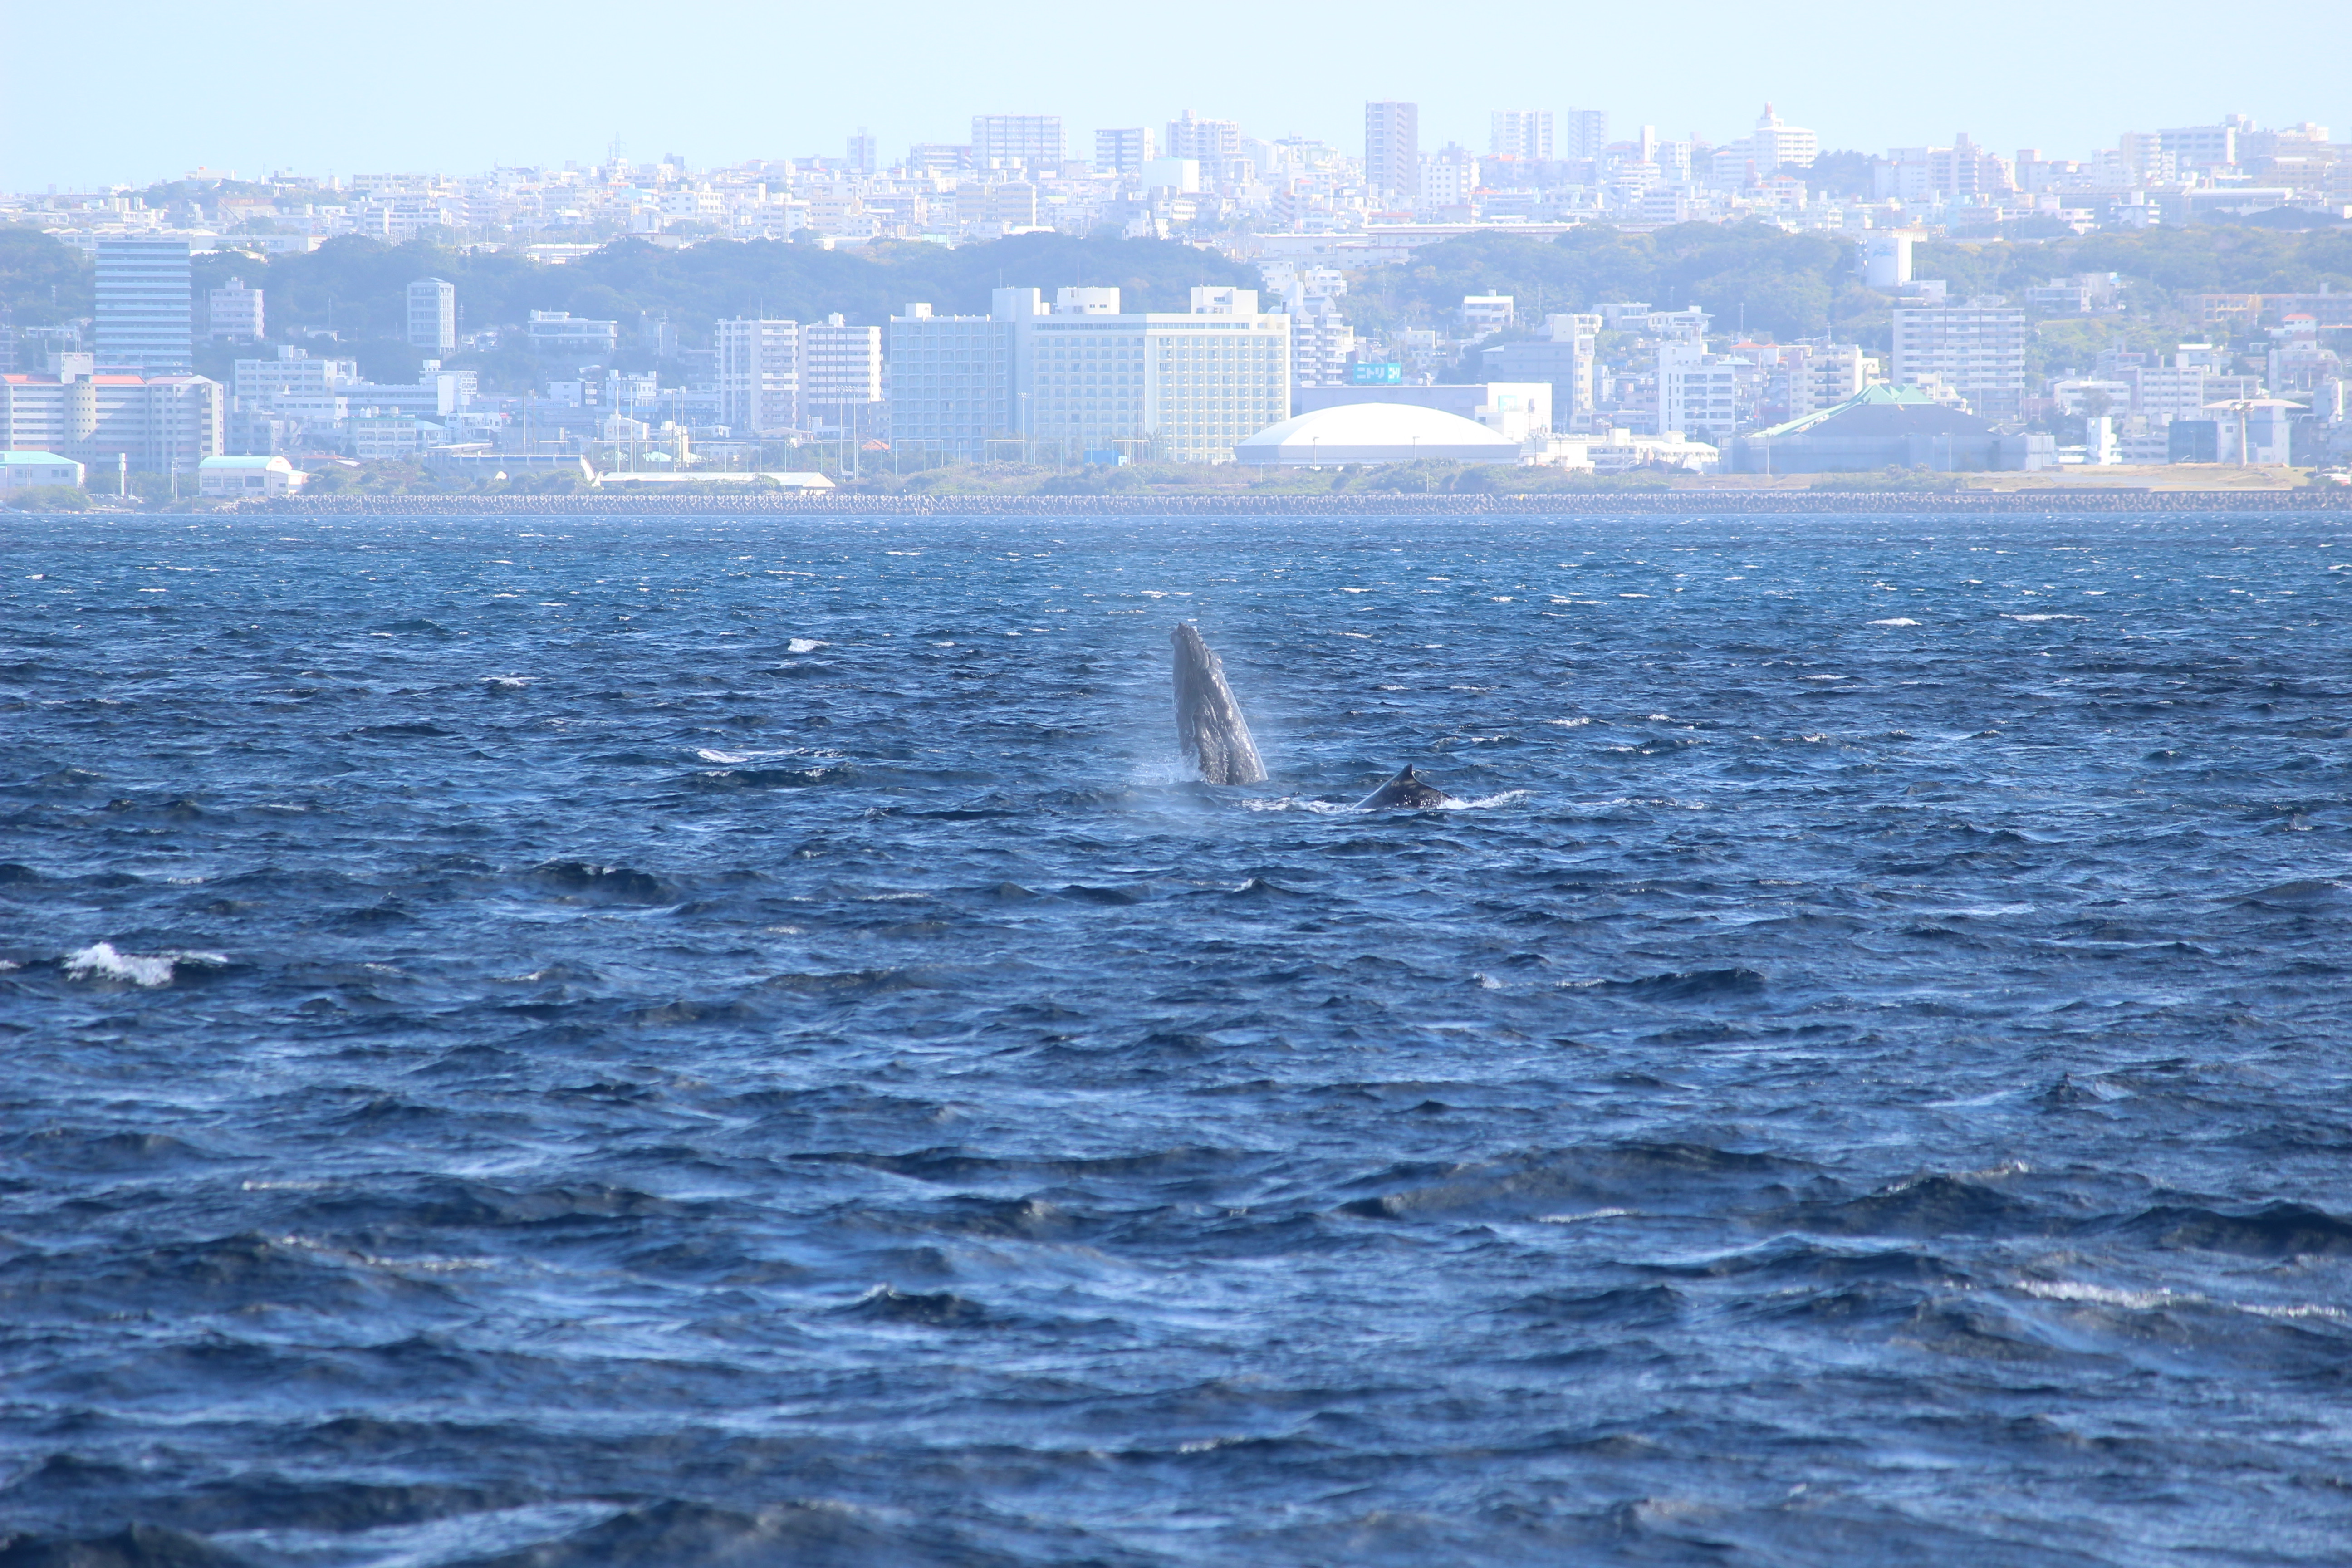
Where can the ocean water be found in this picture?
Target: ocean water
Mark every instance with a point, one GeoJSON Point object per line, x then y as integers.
{"type": "Point", "coordinates": [660, 1041]}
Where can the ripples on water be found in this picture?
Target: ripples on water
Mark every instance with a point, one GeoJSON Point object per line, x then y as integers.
{"type": "Point", "coordinates": [666, 1042]}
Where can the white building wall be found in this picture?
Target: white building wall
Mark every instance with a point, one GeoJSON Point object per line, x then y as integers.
{"type": "Point", "coordinates": [758, 375]}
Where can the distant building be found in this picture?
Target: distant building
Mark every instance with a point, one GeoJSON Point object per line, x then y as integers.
{"type": "Point", "coordinates": [233, 314]}
{"type": "Point", "coordinates": [1322, 341]}
{"type": "Point", "coordinates": [1214, 145]}
{"type": "Point", "coordinates": [1977, 349]}
{"type": "Point", "coordinates": [1524, 133]}
{"type": "Point", "coordinates": [25, 471]}
{"type": "Point", "coordinates": [561, 332]}
{"type": "Point", "coordinates": [1815, 376]}
{"type": "Point", "coordinates": [1484, 313]}
{"type": "Point", "coordinates": [1933, 173]}
{"type": "Point", "coordinates": [1698, 392]}
{"type": "Point", "coordinates": [1562, 357]}
{"type": "Point", "coordinates": [951, 383]}
{"type": "Point", "coordinates": [1583, 134]}
{"type": "Point", "coordinates": [1888, 427]}
{"type": "Point", "coordinates": [1392, 150]}
{"type": "Point", "coordinates": [157, 425]}
{"type": "Point", "coordinates": [1086, 375]}
{"type": "Point", "coordinates": [1449, 177]}
{"type": "Point", "coordinates": [841, 376]}
{"type": "Point", "coordinates": [146, 307]}
{"type": "Point", "coordinates": [2246, 430]}
{"type": "Point", "coordinates": [433, 316]}
{"type": "Point", "coordinates": [758, 375]}
{"type": "Point", "coordinates": [250, 476]}
{"type": "Point", "coordinates": [2162, 394]}
{"type": "Point", "coordinates": [863, 153]}
{"type": "Point", "coordinates": [1772, 145]}
{"type": "Point", "coordinates": [1124, 150]}
{"type": "Point", "coordinates": [1017, 141]}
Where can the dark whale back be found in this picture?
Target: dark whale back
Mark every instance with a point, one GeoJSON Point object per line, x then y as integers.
{"type": "Point", "coordinates": [1406, 792]}
{"type": "Point", "coordinates": [1210, 727]}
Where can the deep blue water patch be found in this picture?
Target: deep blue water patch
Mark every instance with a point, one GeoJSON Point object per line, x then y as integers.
{"type": "Point", "coordinates": [562, 1042]}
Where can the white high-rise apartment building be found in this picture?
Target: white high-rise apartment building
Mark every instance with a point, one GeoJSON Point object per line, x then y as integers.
{"type": "Point", "coordinates": [1822, 375]}
{"type": "Point", "coordinates": [1583, 134]}
{"type": "Point", "coordinates": [758, 375]}
{"type": "Point", "coordinates": [146, 307]}
{"type": "Point", "coordinates": [1124, 150]}
{"type": "Point", "coordinates": [951, 381]}
{"type": "Point", "coordinates": [1449, 177]}
{"type": "Point", "coordinates": [1392, 150]}
{"type": "Point", "coordinates": [1977, 349]}
{"type": "Point", "coordinates": [1086, 375]}
{"type": "Point", "coordinates": [233, 315]}
{"type": "Point", "coordinates": [1698, 392]}
{"type": "Point", "coordinates": [1772, 146]}
{"type": "Point", "coordinates": [1023, 140]}
{"type": "Point", "coordinates": [1214, 145]}
{"type": "Point", "coordinates": [433, 316]}
{"type": "Point", "coordinates": [841, 376]}
{"type": "Point", "coordinates": [1776, 144]}
{"type": "Point", "coordinates": [1519, 134]}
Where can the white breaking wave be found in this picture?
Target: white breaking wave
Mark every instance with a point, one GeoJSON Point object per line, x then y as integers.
{"type": "Point", "coordinates": [805, 645]}
{"type": "Point", "coordinates": [1896, 621]}
{"type": "Point", "coordinates": [99, 960]}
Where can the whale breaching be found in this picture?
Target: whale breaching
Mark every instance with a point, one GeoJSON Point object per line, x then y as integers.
{"type": "Point", "coordinates": [1406, 792]}
{"type": "Point", "coordinates": [1209, 729]}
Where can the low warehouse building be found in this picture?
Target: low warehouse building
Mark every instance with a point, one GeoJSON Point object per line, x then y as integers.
{"type": "Point", "coordinates": [255, 476]}
{"type": "Point", "coordinates": [1889, 427]}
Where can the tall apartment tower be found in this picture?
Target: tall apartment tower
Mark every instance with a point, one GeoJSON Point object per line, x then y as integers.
{"type": "Point", "coordinates": [841, 376]}
{"type": "Point", "coordinates": [146, 307]}
{"type": "Point", "coordinates": [1520, 133]}
{"type": "Point", "coordinates": [758, 375]}
{"type": "Point", "coordinates": [1030, 141]}
{"type": "Point", "coordinates": [862, 153]}
{"type": "Point", "coordinates": [1583, 133]}
{"type": "Point", "coordinates": [1124, 150]}
{"type": "Point", "coordinates": [1393, 149]}
{"type": "Point", "coordinates": [1214, 145]}
{"type": "Point", "coordinates": [433, 316]}
{"type": "Point", "coordinates": [1977, 349]}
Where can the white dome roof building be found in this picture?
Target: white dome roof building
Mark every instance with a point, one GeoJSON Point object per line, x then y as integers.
{"type": "Point", "coordinates": [1375, 433]}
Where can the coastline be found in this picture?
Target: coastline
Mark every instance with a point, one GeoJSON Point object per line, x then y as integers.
{"type": "Point", "coordinates": [1713, 502]}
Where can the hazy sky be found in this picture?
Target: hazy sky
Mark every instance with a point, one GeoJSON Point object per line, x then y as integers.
{"type": "Point", "coordinates": [147, 90]}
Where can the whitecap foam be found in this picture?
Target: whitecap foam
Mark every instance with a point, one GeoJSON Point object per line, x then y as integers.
{"type": "Point", "coordinates": [1485, 802]}
{"type": "Point", "coordinates": [1581, 1218]}
{"type": "Point", "coordinates": [805, 645]}
{"type": "Point", "coordinates": [506, 682]}
{"type": "Point", "coordinates": [100, 961]}
{"type": "Point", "coordinates": [1568, 724]}
{"type": "Point", "coordinates": [2010, 617]}
{"type": "Point", "coordinates": [1896, 621]}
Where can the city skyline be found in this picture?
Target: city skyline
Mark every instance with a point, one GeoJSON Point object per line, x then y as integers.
{"type": "Point", "coordinates": [398, 103]}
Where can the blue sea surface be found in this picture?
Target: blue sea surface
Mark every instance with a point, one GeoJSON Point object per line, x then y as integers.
{"type": "Point", "coordinates": [547, 1042]}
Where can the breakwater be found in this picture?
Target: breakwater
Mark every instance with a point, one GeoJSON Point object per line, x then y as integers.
{"type": "Point", "coordinates": [1676, 502]}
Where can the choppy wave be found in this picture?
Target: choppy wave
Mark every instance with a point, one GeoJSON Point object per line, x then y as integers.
{"type": "Point", "coordinates": [784, 1070]}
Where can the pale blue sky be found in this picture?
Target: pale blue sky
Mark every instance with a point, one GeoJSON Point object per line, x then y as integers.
{"type": "Point", "coordinates": [266, 84]}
